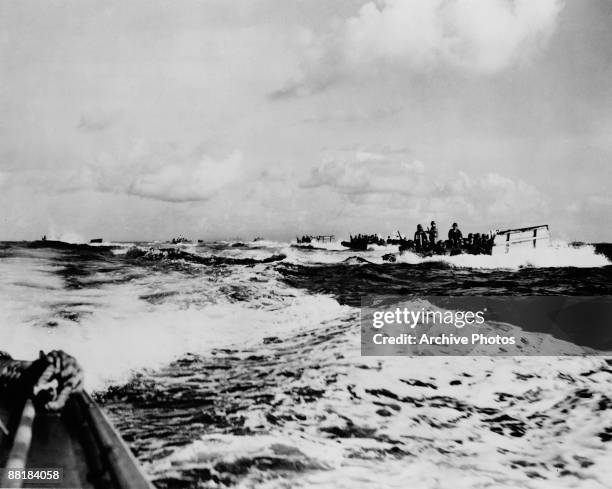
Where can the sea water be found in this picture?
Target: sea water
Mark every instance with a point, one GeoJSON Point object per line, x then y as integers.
{"type": "Point", "coordinates": [249, 374]}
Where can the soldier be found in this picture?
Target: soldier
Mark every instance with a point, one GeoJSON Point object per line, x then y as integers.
{"type": "Point", "coordinates": [454, 236]}
{"type": "Point", "coordinates": [420, 238]}
{"type": "Point", "coordinates": [433, 233]}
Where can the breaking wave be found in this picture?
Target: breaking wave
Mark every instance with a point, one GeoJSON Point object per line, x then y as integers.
{"type": "Point", "coordinates": [118, 316]}
{"type": "Point", "coordinates": [560, 254]}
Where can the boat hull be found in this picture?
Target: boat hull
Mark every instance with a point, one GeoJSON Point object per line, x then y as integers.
{"type": "Point", "coordinates": [81, 442]}
{"type": "Point", "coordinates": [355, 246]}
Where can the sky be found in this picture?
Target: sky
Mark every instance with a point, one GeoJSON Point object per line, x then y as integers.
{"type": "Point", "coordinates": [240, 118]}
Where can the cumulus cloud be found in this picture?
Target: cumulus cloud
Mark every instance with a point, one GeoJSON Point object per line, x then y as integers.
{"type": "Point", "coordinates": [198, 181]}
{"type": "Point", "coordinates": [392, 182]}
{"type": "Point", "coordinates": [165, 173]}
{"type": "Point", "coordinates": [475, 36]}
{"type": "Point", "coordinates": [364, 173]}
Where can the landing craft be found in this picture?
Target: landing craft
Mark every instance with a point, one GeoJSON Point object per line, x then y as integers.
{"type": "Point", "coordinates": [77, 448]}
{"type": "Point", "coordinates": [308, 241]}
{"type": "Point", "coordinates": [361, 242]}
{"type": "Point", "coordinates": [180, 240]}
{"type": "Point", "coordinates": [494, 243]}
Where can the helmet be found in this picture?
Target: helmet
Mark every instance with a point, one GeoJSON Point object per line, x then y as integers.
{"type": "Point", "coordinates": [455, 225]}
{"type": "Point", "coordinates": [419, 227]}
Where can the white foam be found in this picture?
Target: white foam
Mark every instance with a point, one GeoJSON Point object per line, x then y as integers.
{"type": "Point", "coordinates": [119, 332]}
{"type": "Point", "coordinates": [560, 254]}
{"type": "Point", "coordinates": [444, 438]}
{"type": "Point", "coordinates": [322, 245]}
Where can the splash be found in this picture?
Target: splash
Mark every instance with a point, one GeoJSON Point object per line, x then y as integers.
{"type": "Point", "coordinates": [118, 321]}
{"type": "Point", "coordinates": [320, 245]}
{"type": "Point", "coordinates": [315, 413]}
{"type": "Point", "coordinates": [66, 237]}
{"type": "Point", "coordinates": [559, 254]}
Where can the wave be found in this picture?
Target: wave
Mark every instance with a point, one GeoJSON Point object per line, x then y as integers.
{"type": "Point", "coordinates": [319, 245]}
{"type": "Point", "coordinates": [340, 419]}
{"type": "Point", "coordinates": [174, 254]}
{"type": "Point", "coordinates": [559, 254]}
{"type": "Point", "coordinates": [118, 316]}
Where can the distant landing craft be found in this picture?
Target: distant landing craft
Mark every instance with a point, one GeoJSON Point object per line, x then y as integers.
{"type": "Point", "coordinates": [180, 240]}
{"type": "Point", "coordinates": [307, 238]}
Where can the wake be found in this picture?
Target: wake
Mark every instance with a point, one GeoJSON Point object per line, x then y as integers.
{"type": "Point", "coordinates": [558, 255]}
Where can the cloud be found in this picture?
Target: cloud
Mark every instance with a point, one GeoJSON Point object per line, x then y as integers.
{"type": "Point", "coordinates": [474, 36]}
{"type": "Point", "coordinates": [593, 203]}
{"type": "Point", "coordinates": [162, 172]}
{"type": "Point", "coordinates": [388, 181]}
{"type": "Point", "coordinates": [198, 181]}
{"type": "Point", "coordinates": [364, 172]}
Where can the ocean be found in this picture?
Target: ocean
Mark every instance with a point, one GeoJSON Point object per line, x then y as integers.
{"type": "Point", "coordinates": [238, 364]}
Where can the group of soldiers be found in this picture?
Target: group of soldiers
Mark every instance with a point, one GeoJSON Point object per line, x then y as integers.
{"type": "Point", "coordinates": [427, 241]}
{"type": "Point", "coordinates": [361, 242]}
{"type": "Point", "coordinates": [304, 239]}
{"type": "Point", "coordinates": [369, 239]}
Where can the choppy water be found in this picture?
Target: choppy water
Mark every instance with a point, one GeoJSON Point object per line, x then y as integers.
{"type": "Point", "coordinates": [238, 365]}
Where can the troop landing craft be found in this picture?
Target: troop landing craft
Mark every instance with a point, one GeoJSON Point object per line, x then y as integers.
{"type": "Point", "coordinates": [494, 243]}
